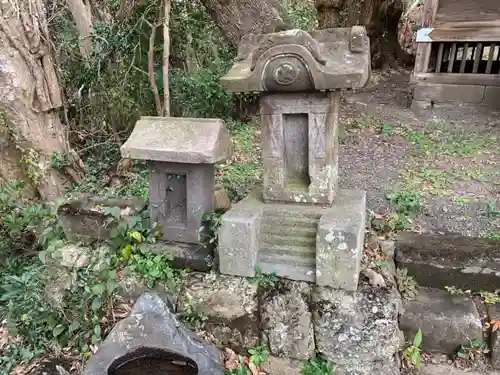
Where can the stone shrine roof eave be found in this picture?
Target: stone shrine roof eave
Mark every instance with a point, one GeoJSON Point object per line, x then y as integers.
{"type": "Point", "coordinates": [178, 140]}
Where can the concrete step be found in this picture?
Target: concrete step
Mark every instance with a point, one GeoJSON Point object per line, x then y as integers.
{"type": "Point", "coordinates": [309, 232]}
{"type": "Point", "coordinates": [290, 240]}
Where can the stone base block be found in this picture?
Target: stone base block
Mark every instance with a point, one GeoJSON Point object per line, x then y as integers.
{"type": "Point", "coordinates": [339, 242]}
{"type": "Point", "coordinates": [239, 238]}
{"type": "Point", "coordinates": [228, 306]}
{"type": "Point", "coordinates": [446, 321]}
{"type": "Point", "coordinates": [197, 257]}
{"type": "Point", "coordinates": [295, 241]}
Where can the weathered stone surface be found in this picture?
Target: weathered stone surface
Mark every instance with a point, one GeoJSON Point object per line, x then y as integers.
{"type": "Point", "coordinates": [221, 199]}
{"type": "Point", "coordinates": [450, 369]}
{"type": "Point", "coordinates": [492, 96]}
{"type": "Point", "coordinates": [450, 260]}
{"type": "Point", "coordinates": [339, 242]}
{"type": "Point", "coordinates": [300, 147]}
{"type": "Point", "coordinates": [180, 195]}
{"type": "Point", "coordinates": [153, 331]}
{"type": "Point", "coordinates": [389, 366]}
{"type": "Point", "coordinates": [446, 321]}
{"type": "Point", "coordinates": [282, 366]}
{"type": "Point", "coordinates": [132, 287]}
{"type": "Point", "coordinates": [196, 257]}
{"type": "Point", "coordinates": [178, 140]}
{"type": "Point", "coordinates": [239, 238]}
{"type": "Point", "coordinates": [84, 218]}
{"type": "Point", "coordinates": [286, 320]}
{"type": "Point", "coordinates": [493, 311]}
{"type": "Point", "coordinates": [230, 304]}
{"type": "Point", "coordinates": [449, 93]}
{"type": "Point", "coordinates": [327, 59]}
{"type": "Point", "coordinates": [62, 263]}
{"type": "Point", "coordinates": [356, 329]}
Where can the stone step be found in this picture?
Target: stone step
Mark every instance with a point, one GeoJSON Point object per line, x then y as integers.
{"type": "Point", "coordinates": [287, 252]}
{"type": "Point", "coordinates": [289, 222]}
{"type": "Point", "coordinates": [280, 230]}
{"type": "Point", "coordinates": [294, 267]}
{"type": "Point", "coordinates": [287, 240]}
{"type": "Point", "coordinates": [289, 212]}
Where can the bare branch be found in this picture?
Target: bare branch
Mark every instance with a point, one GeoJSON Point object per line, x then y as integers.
{"type": "Point", "coordinates": [151, 70]}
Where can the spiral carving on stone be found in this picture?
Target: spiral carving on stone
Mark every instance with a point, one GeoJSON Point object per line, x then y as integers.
{"type": "Point", "coordinates": [285, 74]}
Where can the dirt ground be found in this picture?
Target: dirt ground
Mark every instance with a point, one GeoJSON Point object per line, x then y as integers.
{"type": "Point", "coordinates": [450, 160]}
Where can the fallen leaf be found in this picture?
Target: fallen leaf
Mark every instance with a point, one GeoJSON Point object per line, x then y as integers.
{"type": "Point", "coordinates": [253, 368]}
{"type": "Point", "coordinates": [231, 359]}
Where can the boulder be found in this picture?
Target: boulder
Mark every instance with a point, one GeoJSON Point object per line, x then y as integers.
{"type": "Point", "coordinates": [287, 321]}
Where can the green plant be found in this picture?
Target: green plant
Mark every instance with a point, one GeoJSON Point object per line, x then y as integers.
{"type": "Point", "coordinates": [241, 369]}
{"type": "Point", "coordinates": [492, 210]}
{"type": "Point", "coordinates": [412, 353]}
{"type": "Point", "coordinates": [262, 280]}
{"type": "Point", "coordinates": [131, 240]}
{"type": "Point", "coordinates": [474, 350]}
{"type": "Point", "coordinates": [453, 290]}
{"type": "Point", "coordinates": [60, 161]}
{"type": "Point", "coordinates": [406, 284]}
{"type": "Point", "coordinates": [259, 355]}
{"type": "Point", "coordinates": [21, 220]}
{"type": "Point", "coordinates": [75, 320]}
{"type": "Point", "coordinates": [406, 202]}
{"type": "Point", "coordinates": [493, 235]}
{"type": "Point", "coordinates": [318, 365]}
{"type": "Point", "coordinates": [213, 221]}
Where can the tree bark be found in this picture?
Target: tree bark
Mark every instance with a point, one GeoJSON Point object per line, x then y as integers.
{"type": "Point", "coordinates": [166, 57]}
{"type": "Point", "coordinates": [82, 15]}
{"type": "Point", "coordinates": [237, 18]}
{"type": "Point", "coordinates": [29, 96]}
{"type": "Point", "coordinates": [381, 18]}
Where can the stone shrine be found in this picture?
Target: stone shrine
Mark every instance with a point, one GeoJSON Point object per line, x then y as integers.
{"type": "Point", "coordinates": [182, 153]}
{"type": "Point", "coordinates": [300, 225]}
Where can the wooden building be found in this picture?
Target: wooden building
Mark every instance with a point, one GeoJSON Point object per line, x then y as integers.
{"type": "Point", "coordinates": [458, 53]}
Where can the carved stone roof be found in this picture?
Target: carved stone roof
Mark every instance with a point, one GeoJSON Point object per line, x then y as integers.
{"type": "Point", "coordinates": [178, 140]}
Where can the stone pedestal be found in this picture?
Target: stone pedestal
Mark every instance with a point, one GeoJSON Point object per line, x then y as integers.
{"type": "Point", "coordinates": [182, 153]}
{"type": "Point", "coordinates": [298, 242]}
{"type": "Point", "coordinates": [299, 226]}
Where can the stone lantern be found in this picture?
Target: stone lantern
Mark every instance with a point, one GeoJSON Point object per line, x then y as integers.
{"type": "Point", "coordinates": [182, 153]}
{"type": "Point", "coordinates": [300, 225]}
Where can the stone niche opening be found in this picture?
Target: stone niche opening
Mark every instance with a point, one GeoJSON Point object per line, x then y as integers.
{"type": "Point", "coordinates": [153, 361]}
{"type": "Point", "coordinates": [296, 139]}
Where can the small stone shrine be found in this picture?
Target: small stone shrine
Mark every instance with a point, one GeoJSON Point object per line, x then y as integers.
{"type": "Point", "coordinates": [300, 225]}
{"type": "Point", "coordinates": [182, 153]}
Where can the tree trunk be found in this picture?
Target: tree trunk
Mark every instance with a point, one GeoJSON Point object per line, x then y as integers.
{"type": "Point", "coordinates": [237, 18]}
{"type": "Point", "coordinates": [166, 57]}
{"type": "Point", "coordinates": [82, 15]}
{"type": "Point", "coordinates": [29, 96]}
{"type": "Point", "coordinates": [381, 18]}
